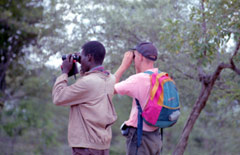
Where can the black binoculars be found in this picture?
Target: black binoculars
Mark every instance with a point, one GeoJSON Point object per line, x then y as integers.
{"type": "Point", "coordinates": [75, 57]}
{"type": "Point", "coordinates": [74, 70]}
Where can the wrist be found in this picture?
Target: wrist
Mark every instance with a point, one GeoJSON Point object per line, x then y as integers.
{"type": "Point", "coordinates": [64, 71]}
{"type": "Point", "coordinates": [64, 74]}
{"type": "Point", "coordinates": [123, 67]}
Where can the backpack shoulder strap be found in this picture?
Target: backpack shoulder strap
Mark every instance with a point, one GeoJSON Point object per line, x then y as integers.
{"type": "Point", "coordinates": [150, 72]}
{"type": "Point", "coordinates": [140, 118]}
{"type": "Point", "coordinates": [139, 124]}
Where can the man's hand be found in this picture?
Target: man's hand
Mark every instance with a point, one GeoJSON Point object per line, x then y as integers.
{"type": "Point", "coordinates": [67, 64]}
{"type": "Point", "coordinates": [127, 60]}
{"type": "Point", "coordinates": [126, 63]}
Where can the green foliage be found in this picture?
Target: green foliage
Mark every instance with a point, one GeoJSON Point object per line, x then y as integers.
{"type": "Point", "coordinates": [212, 27]}
{"type": "Point", "coordinates": [31, 119]}
{"type": "Point", "coordinates": [123, 107]}
{"type": "Point", "coordinates": [31, 123]}
{"type": "Point", "coordinates": [17, 31]}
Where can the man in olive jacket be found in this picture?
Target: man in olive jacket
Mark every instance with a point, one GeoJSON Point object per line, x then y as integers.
{"type": "Point", "coordinates": [90, 99]}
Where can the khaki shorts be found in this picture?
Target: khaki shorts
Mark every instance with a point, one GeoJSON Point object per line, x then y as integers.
{"type": "Point", "coordinates": [150, 145]}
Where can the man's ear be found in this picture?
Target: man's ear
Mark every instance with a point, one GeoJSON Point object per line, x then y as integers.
{"type": "Point", "coordinates": [90, 57]}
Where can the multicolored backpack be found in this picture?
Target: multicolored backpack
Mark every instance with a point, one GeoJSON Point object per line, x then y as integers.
{"type": "Point", "coordinates": [162, 109]}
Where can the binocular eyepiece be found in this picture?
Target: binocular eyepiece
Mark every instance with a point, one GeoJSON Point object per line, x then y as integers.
{"type": "Point", "coordinates": [75, 57]}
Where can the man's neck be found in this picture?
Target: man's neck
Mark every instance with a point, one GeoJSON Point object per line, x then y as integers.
{"type": "Point", "coordinates": [146, 67]}
{"type": "Point", "coordinates": [94, 66]}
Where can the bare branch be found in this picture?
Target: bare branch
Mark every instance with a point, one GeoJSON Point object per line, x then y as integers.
{"type": "Point", "coordinates": [231, 30]}
{"type": "Point", "coordinates": [233, 66]}
{"type": "Point", "coordinates": [217, 72]}
{"type": "Point", "coordinates": [184, 73]}
{"type": "Point", "coordinates": [237, 48]}
{"type": "Point", "coordinates": [207, 86]}
{"type": "Point", "coordinates": [201, 73]}
{"type": "Point", "coordinates": [222, 66]}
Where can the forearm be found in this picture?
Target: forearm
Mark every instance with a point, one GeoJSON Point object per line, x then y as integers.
{"type": "Point", "coordinates": [64, 95]}
{"type": "Point", "coordinates": [126, 62]}
{"type": "Point", "coordinates": [120, 71]}
{"type": "Point", "coordinates": [58, 87]}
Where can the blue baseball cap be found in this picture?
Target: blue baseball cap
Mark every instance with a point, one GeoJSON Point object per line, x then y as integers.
{"type": "Point", "coordinates": [148, 50]}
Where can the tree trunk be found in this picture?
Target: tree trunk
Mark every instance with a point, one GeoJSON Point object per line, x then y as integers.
{"type": "Point", "coordinates": [199, 105]}
{"type": "Point", "coordinates": [4, 64]}
{"type": "Point", "coordinates": [207, 85]}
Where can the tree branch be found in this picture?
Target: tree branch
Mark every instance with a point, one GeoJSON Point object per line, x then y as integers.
{"type": "Point", "coordinates": [184, 73]}
{"type": "Point", "coordinates": [231, 30]}
{"type": "Point", "coordinates": [233, 66]}
{"type": "Point", "coordinates": [202, 100]}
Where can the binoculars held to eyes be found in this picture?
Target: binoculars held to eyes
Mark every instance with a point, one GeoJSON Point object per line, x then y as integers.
{"type": "Point", "coordinates": [76, 58]}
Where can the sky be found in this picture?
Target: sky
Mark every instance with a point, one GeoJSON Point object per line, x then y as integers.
{"type": "Point", "coordinates": [54, 61]}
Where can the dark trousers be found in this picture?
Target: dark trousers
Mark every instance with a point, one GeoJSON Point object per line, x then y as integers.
{"type": "Point", "coordinates": [150, 145]}
{"type": "Point", "coordinates": [87, 151]}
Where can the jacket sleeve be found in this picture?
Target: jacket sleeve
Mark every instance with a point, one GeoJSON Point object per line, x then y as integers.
{"type": "Point", "coordinates": [64, 95]}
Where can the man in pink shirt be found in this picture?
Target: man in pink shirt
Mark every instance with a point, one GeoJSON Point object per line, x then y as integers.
{"type": "Point", "coordinates": [138, 87]}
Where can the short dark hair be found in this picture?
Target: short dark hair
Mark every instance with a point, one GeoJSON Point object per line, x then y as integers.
{"type": "Point", "coordinates": [96, 49]}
